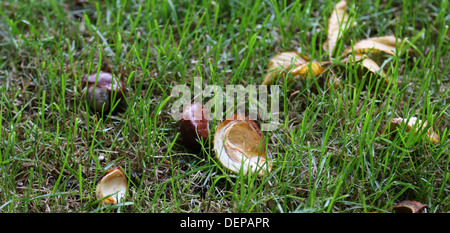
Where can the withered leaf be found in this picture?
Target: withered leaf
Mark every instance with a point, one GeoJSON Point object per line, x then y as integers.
{"type": "Point", "coordinates": [337, 24]}
{"type": "Point", "coordinates": [385, 44]}
{"type": "Point", "coordinates": [306, 69]}
{"type": "Point", "coordinates": [334, 81]}
{"type": "Point", "coordinates": [366, 62]}
{"type": "Point", "coordinates": [293, 63]}
{"type": "Point", "coordinates": [413, 123]}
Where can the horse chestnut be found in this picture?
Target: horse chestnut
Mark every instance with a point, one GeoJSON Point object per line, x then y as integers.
{"type": "Point", "coordinates": [101, 90]}
{"type": "Point", "coordinates": [194, 126]}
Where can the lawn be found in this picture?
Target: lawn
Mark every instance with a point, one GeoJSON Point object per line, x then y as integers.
{"type": "Point", "coordinates": [330, 150]}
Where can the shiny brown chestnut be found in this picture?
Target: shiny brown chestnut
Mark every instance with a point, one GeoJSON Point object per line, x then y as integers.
{"type": "Point", "coordinates": [194, 126]}
{"type": "Point", "coordinates": [101, 90]}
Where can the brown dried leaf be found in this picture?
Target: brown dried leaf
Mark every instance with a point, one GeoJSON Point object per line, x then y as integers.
{"type": "Point", "coordinates": [413, 123]}
{"type": "Point", "coordinates": [337, 24]}
{"type": "Point", "coordinates": [334, 81]}
{"type": "Point", "coordinates": [366, 62]}
{"type": "Point", "coordinates": [385, 44]}
{"type": "Point", "coordinates": [306, 69]}
{"type": "Point", "coordinates": [409, 207]}
{"type": "Point", "coordinates": [293, 63]}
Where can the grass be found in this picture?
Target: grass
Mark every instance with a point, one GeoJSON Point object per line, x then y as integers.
{"type": "Point", "coordinates": [329, 153]}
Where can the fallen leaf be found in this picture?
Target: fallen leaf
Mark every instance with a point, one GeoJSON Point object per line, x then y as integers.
{"type": "Point", "coordinates": [337, 24]}
{"type": "Point", "coordinates": [385, 44]}
{"type": "Point", "coordinates": [306, 69]}
{"type": "Point", "coordinates": [409, 207]}
{"type": "Point", "coordinates": [283, 62]}
{"type": "Point", "coordinates": [413, 123]}
{"type": "Point", "coordinates": [293, 63]}
{"type": "Point", "coordinates": [366, 62]}
{"type": "Point", "coordinates": [335, 82]}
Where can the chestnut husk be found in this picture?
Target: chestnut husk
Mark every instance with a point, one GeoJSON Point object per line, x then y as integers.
{"type": "Point", "coordinates": [238, 145]}
{"type": "Point", "coordinates": [409, 207]}
{"type": "Point", "coordinates": [112, 187]}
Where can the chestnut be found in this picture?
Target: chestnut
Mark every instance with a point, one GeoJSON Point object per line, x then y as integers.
{"type": "Point", "coordinates": [193, 126]}
{"type": "Point", "coordinates": [101, 90]}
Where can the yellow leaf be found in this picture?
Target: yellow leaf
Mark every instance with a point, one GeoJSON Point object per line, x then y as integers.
{"type": "Point", "coordinates": [292, 63]}
{"type": "Point", "coordinates": [306, 69]}
{"type": "Point", "coordinates": [366, 62]}
{"type": "Point", "coordinates": [385, 44]}
{"type": "Point", "coordinates": [282, 62]}
{"type": "Point", "coordinates": [314, 68]}
{"type": "Point", "coordinates": [337, 24]}
{"type": "Point", "coordinates": [335, 82]}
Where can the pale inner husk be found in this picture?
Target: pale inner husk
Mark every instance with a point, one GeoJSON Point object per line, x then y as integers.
{"type": "Point", "coordinates": [113, 184]}
{"type": "Point", "coordinates": [239, 147]}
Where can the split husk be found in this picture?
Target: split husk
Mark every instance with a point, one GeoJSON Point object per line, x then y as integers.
{"type": "Point", "coordinates": [239, 146]}
{"type": "Point", "coordinates": [113, 186]}
{"type": "Point", "coordinates": [409, 207]}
